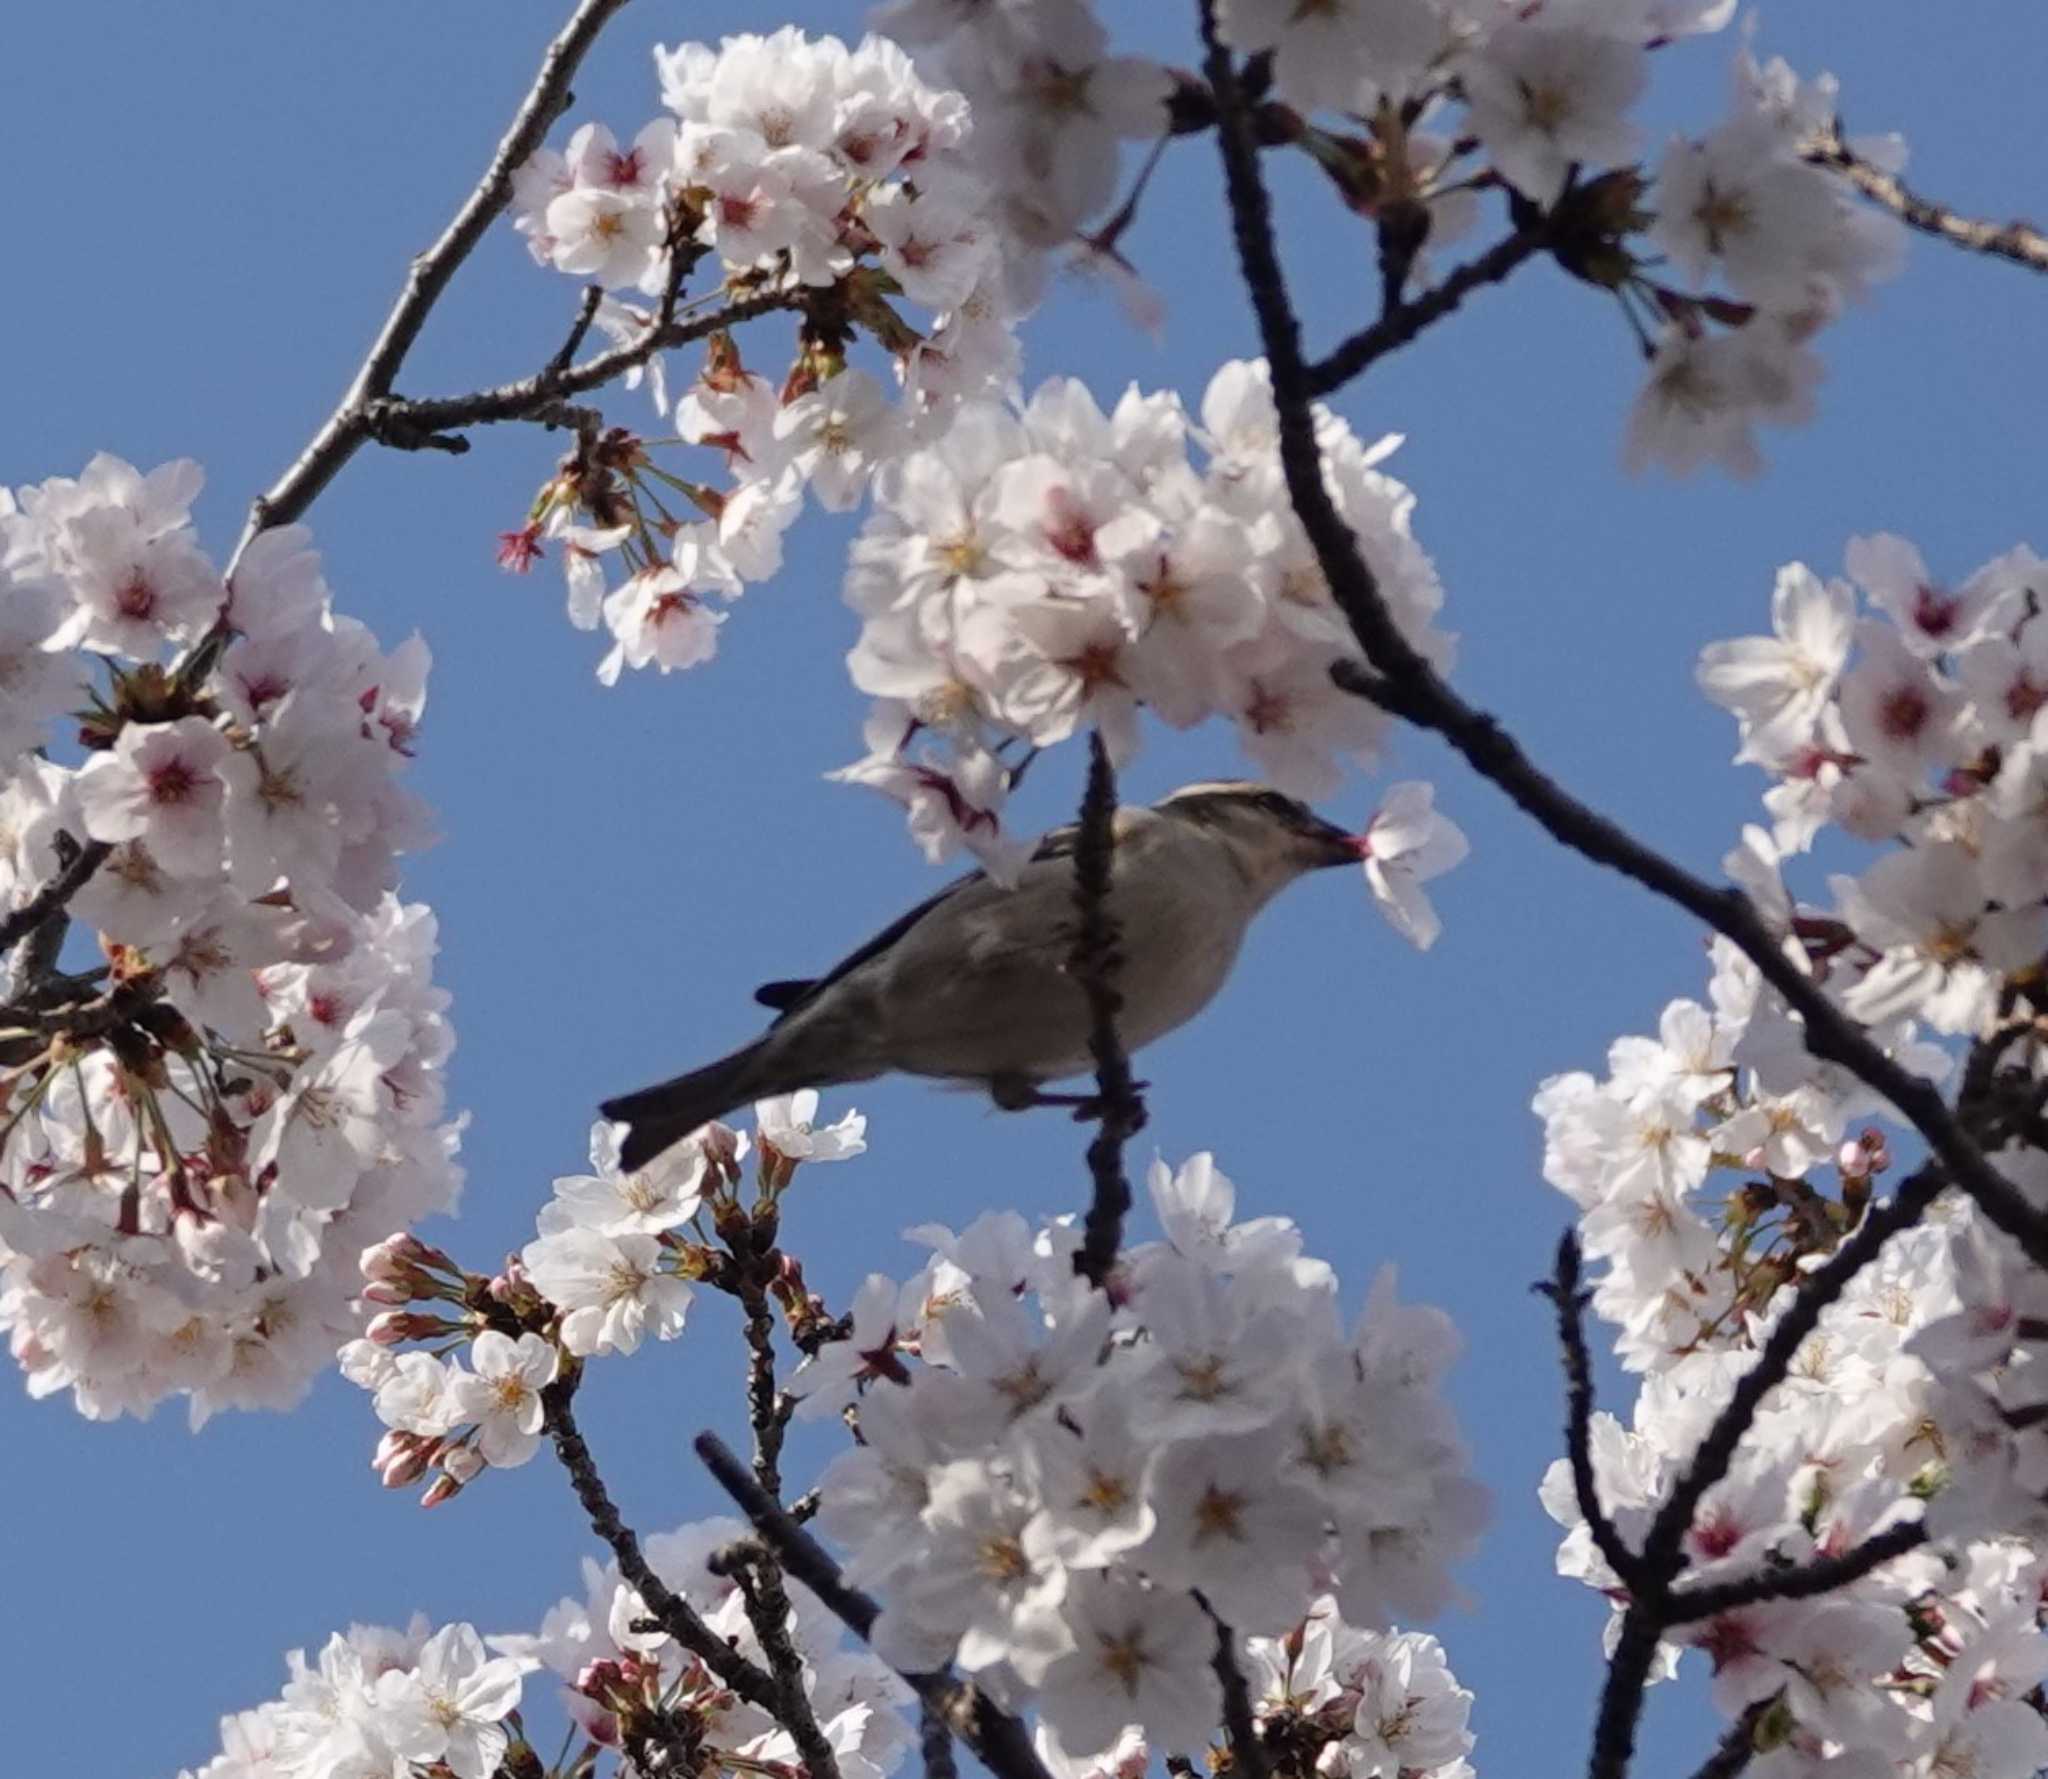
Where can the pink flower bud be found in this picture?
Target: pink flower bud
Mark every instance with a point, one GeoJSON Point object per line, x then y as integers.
{"type": "Point", "coordinates": [599, 1677]}
{"type": "Point", "coordinates": [393, 1326]}
{"type": "Point", "coordinates": [462, 1462]}
{"type": "Point", "coordinates": [401, 1458]}
{"type": "Point", "coordinates": [442, 1488]}
{"type": "Point", "coordinates": [387, 1291]}
{"type": "Point", "coordinates": [382, 1261]}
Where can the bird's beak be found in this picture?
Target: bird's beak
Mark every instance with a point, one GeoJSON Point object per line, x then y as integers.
{"type": "Point", "coordinates": [1326, 844]}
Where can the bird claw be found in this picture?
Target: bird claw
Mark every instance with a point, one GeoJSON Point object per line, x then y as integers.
{"type": "Point", "coordinates": [1013, 1094]}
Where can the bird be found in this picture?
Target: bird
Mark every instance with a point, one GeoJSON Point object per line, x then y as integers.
{"type": "Point", "coordinates": [976, 985]}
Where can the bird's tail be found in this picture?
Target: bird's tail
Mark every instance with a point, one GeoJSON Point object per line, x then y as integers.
{"type": "Point", "coordinates": [663, 1115]}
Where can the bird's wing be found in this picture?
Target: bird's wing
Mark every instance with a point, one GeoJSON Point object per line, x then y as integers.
{"type": "Point", "coordinates": [792, 997]}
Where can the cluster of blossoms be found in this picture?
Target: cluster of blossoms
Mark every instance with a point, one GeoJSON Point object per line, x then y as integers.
{"type": "Point", "coordinates": [1047, 1470]}
{"type": "Point", "coordinates": [1034, 573]}
{"type": "Point", "coordinates": [832, 177]}
{"type": "Point", "coordinates": [1719, 1161]}
{"type": "Point", "coordinates": [613, 1263]}
{"type": "Point", "coordinates": [1354, 1704]}
{"type": "Point", "coordinates": [628, 1685]}
{"type": "Point", "coordinates": [1531, 95]}
{"type": "Point", "coordinates": [1791, 244]}
{"type": "Point", "coordinates": [198, 1134]}
{"type": "Point", "coordinates": [380, 1702]}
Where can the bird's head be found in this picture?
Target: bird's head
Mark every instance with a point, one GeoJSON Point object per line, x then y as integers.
{"type": "Point", "coordinates": [1271, 837]}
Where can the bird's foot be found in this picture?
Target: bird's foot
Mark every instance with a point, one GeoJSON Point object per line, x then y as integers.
{"type": "Point", "coordinates": [1016, 1093]}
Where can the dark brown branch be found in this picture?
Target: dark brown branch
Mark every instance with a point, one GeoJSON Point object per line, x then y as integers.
{"type": "Point", "coordinates": [1570, 1298]}
{"type": "Point", "coordinates": [51, 899]}
{"type": "Point", "coordinates": [758, 1576]}
{"type": "Point", "coordinates": [1403, 321]}
{"type": "Point", "coordinates": [1796, 1581]}
{"type": "Point", "coordinates": [1402, 680]}
{"type": "Point", "coordinates": [530, 396]}
{"type": "Point", "coordinates": [347, 428]}
{"type": "Point", "coordinates": [1735, 1750]}
{"type": "Point", "coordinates": [1649, 1613]}
{"type": "Point", "coordinates": [579, 330]}
{"type": "Point", "coordinates": [674, 1613]}
{"type": "Point", "coordinates": [1247, 1752]}
{"type": "Point", "coordinates": [1096, 962]}
{"type": "Point", "coordinates": [1000, 1742]}
{"type": "Point", "coordinates": [935, 1743]}
{"type": "Point", "coordinates": [2018, 241]}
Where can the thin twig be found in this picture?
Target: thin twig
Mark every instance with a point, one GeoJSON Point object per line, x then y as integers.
{"type": "Point", "coordinates": [348, 427]}
{"type": "Point", "coordinates": [1096, 963]}
{"type": "Point", "coordinates": [935, 1742]}
{"type": "Point", "coordinates": [1247, 1752]}
{"type": "Point", "coordinates": [1402, 680]}
{"type": "Point", "coordinates": [675, 1614]}
{"type": "Point", "coordinates": [529, 396]}
{"type": "Point", "coordinates": [1735, 1750]}
{"type": "Point", "coordinates": [1403, 321]}
{"type": "Point", "coordinates": [579, 329]}
{"type": "Point", "coordinates": [1570, 1298]}
{"type": "Point", "coordinates": [2019, 241]}
{"type": "Point", "coordinates": [1796, 1581]}
{"type": "Point", "coordinates": [999, 1741]}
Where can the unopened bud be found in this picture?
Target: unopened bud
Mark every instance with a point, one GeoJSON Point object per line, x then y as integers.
{"type": "Point", "coordinates": [599, 1678]}
{"type": "Point", "coordinates": [462, 1462]}
{"type": "Point", "coordinates": [401, 1459]}
{"type": "Point", "coordinates": [442, 1488]}
{"type": "Point", "coordinates": [394, 1326]}
{"type": "Point", "coordinates": [721, 1146]}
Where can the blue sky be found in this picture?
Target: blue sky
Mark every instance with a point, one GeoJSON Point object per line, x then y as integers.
{"type": "Point", "coordinates": [211, 207]}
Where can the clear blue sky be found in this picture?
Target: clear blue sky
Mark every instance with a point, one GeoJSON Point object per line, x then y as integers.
{"type": "Point", "coordinates": [210, 208]}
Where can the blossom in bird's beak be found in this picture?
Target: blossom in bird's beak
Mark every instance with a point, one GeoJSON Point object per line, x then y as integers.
{"type": "Point", "coordinates": [1404, 846]}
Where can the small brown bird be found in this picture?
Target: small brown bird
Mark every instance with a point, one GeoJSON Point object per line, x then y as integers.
{"type": "Point", "coordinates": [975, 984]}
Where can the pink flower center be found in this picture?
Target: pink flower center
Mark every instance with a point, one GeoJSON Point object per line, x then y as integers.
{"type": "Point", "coordinates": [2023, 698]}
{"type": "Point", "coordinates": [136, 597]}
{"type": "Point", "coordinates": [1268, 711]}
{"type": "Point", "coordinates": [172, 783]}
{"type": "Point", "coordinates": [1716, 1535]}
{"type": "Point", "coordinates": [1069, 532]}
{"type": "Point", "coordinates": [1935, 612]}
{"type": "Point", "coordinates": [1902, 712]}
{"type": "Point", "coordinates": [624, 169]}
{"type": "Point", "coordinates": [737, 212]}
{"type": "Point", "coordinates": [1727, 1640]}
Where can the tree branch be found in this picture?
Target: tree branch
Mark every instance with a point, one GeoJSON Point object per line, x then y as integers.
{"type": "Point", "coordinates": [1403, 681]}
{"type": "Point", "coordinates": [1095, 963]}
{"type": "Point", "coordinates": [46, 904]}
{"type": "Point", "coordinates": [1403, 321]}
{"type": "Point", "coordinates": [1247, 1752]}
{"type": "Point", "coordinates": [2018, 241]}
{"type": "Point", "coordinates": [530, 396]}
{"type": "Point", "coordinates": [758, 1576]}
{"type": "Point", "coordinates": [1735, 1750]}
{"type": "Point", "coordinates": [1650, 1611]}
{"type": "Point", "coordinates": [996, 1739]}
{"type": "Point", "coordinates": [675, 1614]}
{"type": "Point", "coordinates": [1570, 1297]}
{"type": "Point", "coordinates": [346, 429]}
{"type": "Point", "coordinates": [1796, 1581]}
